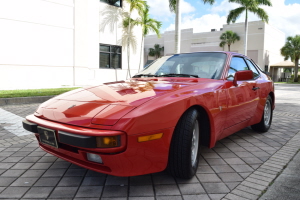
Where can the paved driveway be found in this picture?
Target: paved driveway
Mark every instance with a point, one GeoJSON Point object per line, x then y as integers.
{"type": "Point", "coordinates": [238, 167]}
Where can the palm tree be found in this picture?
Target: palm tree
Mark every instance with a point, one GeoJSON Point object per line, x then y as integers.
{"type": "Point", "coordinates": [156, 51]}
{"type": "Point", "coordinates": [148, 24]}
{"type": "Point", "coordinates": [139, 6]}
{"type": "Point", "coordinates": [174, 6]}
{"type": "Point", "coordinates": [110, 19]}
{"type": "Point", "coordinates": [248, 6]}
{"type": "Point", "coordinates": [291, 49]}
{"type": "Point", "coordinates": [229, 37]}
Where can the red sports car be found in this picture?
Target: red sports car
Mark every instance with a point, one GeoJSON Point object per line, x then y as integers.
{"type": "Point", "coordinates": [158, 119]}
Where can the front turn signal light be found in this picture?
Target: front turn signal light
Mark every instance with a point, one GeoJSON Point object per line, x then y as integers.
{"type": "Point", "coordinates": [150, 137]}
{"type": "Point", "coordinates": [108, 141]}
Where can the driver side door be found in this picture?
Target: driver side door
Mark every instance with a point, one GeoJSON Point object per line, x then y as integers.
{"type": "Point", "coordinates": [242, 98]}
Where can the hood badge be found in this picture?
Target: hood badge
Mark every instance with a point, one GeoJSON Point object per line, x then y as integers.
{"type": "Point", "coordinates": [72, 106]}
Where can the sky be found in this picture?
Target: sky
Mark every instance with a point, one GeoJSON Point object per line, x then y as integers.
{"type": "Point", "coordinates": [284, 15]}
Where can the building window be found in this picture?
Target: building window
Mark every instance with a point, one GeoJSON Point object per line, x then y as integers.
{"type": "Point", "coordinates": [117, 3]}
{"type": "Point", "coordinates": [110, 56]}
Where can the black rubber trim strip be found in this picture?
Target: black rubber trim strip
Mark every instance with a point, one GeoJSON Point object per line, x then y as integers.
{"type": "Point", "coordinates": [32, 127]}
{"type": "Point", "coordinates": [77, 140]}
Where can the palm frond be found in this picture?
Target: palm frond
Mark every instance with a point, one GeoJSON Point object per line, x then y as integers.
{"type": "Point", "coordinates": [110, 18]}
{"type": "Point", "coordinates": [172, 5]}
{"type": "Point", "coordinates": [211, 2]}
{"type": "Point", "coordinates": [138, 5]}
{"type": "Point", "coordinates": [222, 44]}
{"type": "Point", "coordinates": [291, 49]}
{"type": "Point", "coordinates": [241, 2]}
{"type": "Point", "coordinates": [234, 14]}
{"type": "Point", "coordinates": [261, 13]}
{"type": "Point", "coordinates": [228, 37]}
{"type": "Point", "coordinates": [264, 2]}
{"type": "Point", "coordinates": [128, 20]}
{"type": "Point", "coordinates": [128, 38]}
{"type": "Point", "coordinates": [148, 24]}
{"type": "Point", "coordinates": [151, 52]}
{"type": "Point", "coordinates": [156, 51]}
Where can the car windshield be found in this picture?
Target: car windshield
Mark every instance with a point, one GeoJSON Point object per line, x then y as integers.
{"type": "Point", "coordinates": [197, 65]}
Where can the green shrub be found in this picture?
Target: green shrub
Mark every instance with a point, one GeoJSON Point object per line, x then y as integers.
{"type": "Point", "coordinates": [292, 78]}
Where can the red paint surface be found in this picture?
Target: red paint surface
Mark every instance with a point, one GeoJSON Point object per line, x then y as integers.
{"type": "Point", "coordinates": [145, 106]}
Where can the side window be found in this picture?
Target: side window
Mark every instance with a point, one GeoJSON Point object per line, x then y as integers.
{"type": "Point", "coordinates": [237, 64]}
{"type": "Point", "coordinates": [252, 68]}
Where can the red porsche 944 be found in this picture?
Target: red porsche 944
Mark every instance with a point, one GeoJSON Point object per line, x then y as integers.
{"type": "Point", "coordinates": [158, 119]}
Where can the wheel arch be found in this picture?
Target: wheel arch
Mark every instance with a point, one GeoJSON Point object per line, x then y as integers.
{"type": "Point", "coordinates": [272, 95]}
{"type": "Point", "coordinates": [204, 123]}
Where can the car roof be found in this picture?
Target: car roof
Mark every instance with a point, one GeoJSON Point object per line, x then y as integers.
{"type": "Point", "coordinates": [226, 52]}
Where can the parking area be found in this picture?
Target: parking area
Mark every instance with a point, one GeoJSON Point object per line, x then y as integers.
{"type": "Point", "coordinates": [240, 166]}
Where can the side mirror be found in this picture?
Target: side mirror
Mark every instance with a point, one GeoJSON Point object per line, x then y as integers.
{"type": "Point", "coordinates": [242, 76]}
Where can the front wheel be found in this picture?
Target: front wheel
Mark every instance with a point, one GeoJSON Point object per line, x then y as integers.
{"type": "Point", "coordinates": [266, 120]}
{"type": "Point", "coordinates": [184, 149]}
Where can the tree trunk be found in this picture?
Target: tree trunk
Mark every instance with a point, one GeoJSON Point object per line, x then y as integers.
{"type": "Point", "coordinates": [177, 27]}
{"type": "Point", "coordinates": [228, 47]}
{"type": "Point", "coordinates": [246, 33]}
{"type": "Point", "coordinates": [296, 69]}
{"type": "Point", "coordinates": [141, 53]}
{"type": "Point", "coordinates": [128, 47]}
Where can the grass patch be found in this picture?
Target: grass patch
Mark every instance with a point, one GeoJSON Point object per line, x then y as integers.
{"type": "Point", "coordinates": [33, 92]}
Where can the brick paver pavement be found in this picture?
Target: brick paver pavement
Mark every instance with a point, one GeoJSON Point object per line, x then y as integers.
{"type": "Point", "coordinates": [240, 166]}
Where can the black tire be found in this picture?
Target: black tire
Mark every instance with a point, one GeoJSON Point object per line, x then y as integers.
{"type": "Point", "coordinates": [265, 124]}
{"type": "Point", "coordinates": [181, 164]}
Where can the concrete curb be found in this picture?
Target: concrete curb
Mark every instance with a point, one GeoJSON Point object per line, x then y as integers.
{"type": "Point", "coordinates": [23, 100]}
{"type": "Point", "coordinates": [259, 181]}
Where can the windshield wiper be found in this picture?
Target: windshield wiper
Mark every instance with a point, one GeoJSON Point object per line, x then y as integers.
{"type": "Point", "coordinates": [178, 75]}
{"type": "Point", "coordinates": [145, 75]}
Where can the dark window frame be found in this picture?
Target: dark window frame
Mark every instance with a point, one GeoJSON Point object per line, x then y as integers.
{"type": "Point", "coordinates": [121, 3]}
{"type": "Point", "coordinates": [228, 72]}
{"type": "Point", "coordinates": [254, 66]}
{"type": "Point", "coordinates": [249, 68]}
{"type": "Point", "coordinates": [110, 52]}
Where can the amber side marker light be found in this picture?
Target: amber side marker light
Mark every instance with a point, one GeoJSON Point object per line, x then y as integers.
{"type": "Point", "coordinates": [150, 137]}
{"type": "Point", "coordinates": [108, 141]}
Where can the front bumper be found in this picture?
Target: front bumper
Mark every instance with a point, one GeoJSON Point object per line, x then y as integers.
{"type": "Point", "coordinates": [130, 159]}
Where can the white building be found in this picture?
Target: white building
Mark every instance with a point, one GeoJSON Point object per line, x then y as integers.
{"type": "Point", "coordinates": [264, 42]}
{"type": "Point", "coordinates": [55, 43]}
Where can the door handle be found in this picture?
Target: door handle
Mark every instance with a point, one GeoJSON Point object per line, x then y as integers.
{"type": "Point", "coordinates": [255, 88]}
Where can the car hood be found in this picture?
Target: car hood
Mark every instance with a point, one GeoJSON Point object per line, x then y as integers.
{"type": "Point", "coordinates": [106, 104]}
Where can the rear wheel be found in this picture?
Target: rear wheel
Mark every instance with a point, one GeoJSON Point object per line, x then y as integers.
{"type": "Point", "coordinates": [266, 120]}
{"type": "Point", "coordinates": [184, 149]}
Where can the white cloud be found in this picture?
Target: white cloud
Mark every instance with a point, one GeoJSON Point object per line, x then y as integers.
{"type": "Point", "coordinates": [201, 24]}
{"type": "Point", "coordinates": [186, 7]}
{"type": "Point", "coordinates": [284, 17]}
{"type": "Point", "coordinates": [223, 7]}
{"type": "Point", "coordinates": [159, 8]}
